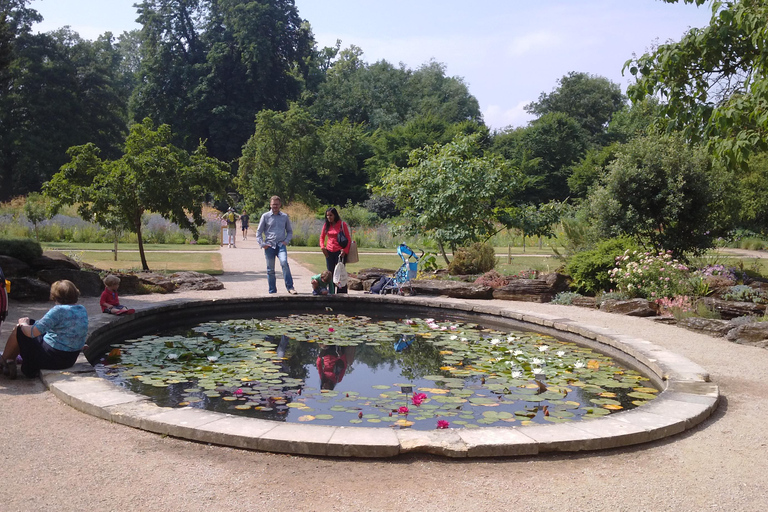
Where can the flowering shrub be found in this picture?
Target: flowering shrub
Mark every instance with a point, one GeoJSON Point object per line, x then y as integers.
{"type": "Point", "coordinates": [652, 276]}
{"type": "Point", "coordinates": [673, 307]}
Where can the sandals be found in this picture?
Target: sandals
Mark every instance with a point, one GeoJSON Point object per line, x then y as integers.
{"type": "Point", "coordinates": [10, 369]}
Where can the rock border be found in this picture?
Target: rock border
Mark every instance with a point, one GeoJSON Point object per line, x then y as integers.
{"type": "Point", "coordinates": [687, 397]}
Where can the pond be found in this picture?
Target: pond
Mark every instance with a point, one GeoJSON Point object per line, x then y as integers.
{"type": "Point", "coordinates": [333, 369]}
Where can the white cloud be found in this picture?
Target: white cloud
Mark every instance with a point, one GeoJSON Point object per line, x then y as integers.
{"type": "Point", "coordinates": [498, 118]}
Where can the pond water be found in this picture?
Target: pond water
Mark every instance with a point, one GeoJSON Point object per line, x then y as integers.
{"type": "Point", "coordinates": [343, 370]}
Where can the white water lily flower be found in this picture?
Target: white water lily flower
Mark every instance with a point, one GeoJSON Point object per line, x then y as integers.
{"type": "Point", "coordinates": [172, 356]}
{"type": "Point", "coordinates": [543, 348]}
{"type": "Point", "coordinates": [454, 337]}
{"type": "Point", "coordinates": [495, 341]}
{"type": "Point", "coordinates": [560, 353]}
{"type": "Point", "coordinates": [516, 375]}
{"type": "Point", "coordinates": [213, 359]}
{"type": "Point", "coordinates": [517, 352]}
{"type": "Point", "coordinates": [538, 371]}
{"type": "Point", "coordinates": [510, 339]}
{"type": "Point", "coordinates": [536, 361]}
{"type": "Point", "coordinates": [464, 339]}
{"type": "Point", "coordinates": [579, 364]}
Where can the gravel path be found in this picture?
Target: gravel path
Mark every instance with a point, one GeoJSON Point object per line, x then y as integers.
{"type": "Point", "coordinates": [76, 462]}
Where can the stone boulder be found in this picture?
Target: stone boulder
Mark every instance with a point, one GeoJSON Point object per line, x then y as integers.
{"type": "Point", "coordinates": [130, 284]}
{"type": "Point", "coordinates": [709, 326]}
{"type": "Point", "coordinates": [633, 307]}
{"type": "Point", "coordinates": [356, 284]}
{"type": "Point", "coordinates": [29, 289]}
{"type": "Point", "coordinates": [373, 273]}
{"type": "Point", "coordinates": [54, 260]}
{"type": "Point", "coordinates": [156, 282]}
{"type": "Point", "coordinates": [755, 333]}
{"type": "Point", "coordinates": [584, 302]}
{"type": "Point", "coordinates": [455, 289]}
{"type": "Point", "coordinates": [13, 267]}
{"type": "Point", "coordinates": [542, 289]}
{"type": "Point", "coordinates": [195, 281]}
{"type": "Point", "coordinates": [89, 283]}
{"type": "Point", "coordinates": [729, 310]}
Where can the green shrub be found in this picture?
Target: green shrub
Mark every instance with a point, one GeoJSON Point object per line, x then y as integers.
{"type": "Point", "coordinates": [478, 258]}
{"type": "Point", "coordinates": [565, 298]}
{"type": "Point", "coordinates": [590, 269]}
{"type": "Point", "coordinates": [744, 293]}
{"type": "Point", "coordinates": [24, 249]}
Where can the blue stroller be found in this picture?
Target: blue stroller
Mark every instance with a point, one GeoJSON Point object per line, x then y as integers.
{"type": "Point", "coordinates": [405, 273]}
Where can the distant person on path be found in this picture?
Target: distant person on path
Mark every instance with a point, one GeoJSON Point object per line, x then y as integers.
{"type": "Point", "coordinates": [231, 218]}
{"type": "Point", "coordinates": [274, 234]}
{"type": "Point", "coordinates": [329, 241]}
{"type": "Point", "coordinates": [244, 218]}
{"type": "Point", "coordinates": [110, 302]}
{"type": "Point", "coordinates": [54, 341]}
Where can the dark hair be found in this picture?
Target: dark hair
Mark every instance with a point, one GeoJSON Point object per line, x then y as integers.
{"type": "Point", "coordinates": [64, 292]}
{"type": "Point", "coordinates": [335, 215]}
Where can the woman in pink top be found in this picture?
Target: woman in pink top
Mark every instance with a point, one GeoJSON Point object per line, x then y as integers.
{"type": "Point", "coordinates": [329, 240]}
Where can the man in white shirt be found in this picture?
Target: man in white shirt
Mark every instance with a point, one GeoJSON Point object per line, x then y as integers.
{"type": "Point", "coordinates": [274, 234]}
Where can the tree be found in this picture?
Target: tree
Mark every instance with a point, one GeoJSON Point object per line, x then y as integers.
{"type": "Point", "coordinates": [38, 208]}
{"type": "Point", "coordinates": [448, 192]}
{"type": "Point", "coordinates": [153, 175]}
{"type": "Point", "coordinates": [208, 66]}
{"type": "Point", "coordinates": [665, 194]}
{"type": "Point", "coordinates": [714, 81]}
{"type": "Point", "coordinates": [752, 194]}
{"type": "Point", "coordinates": [589, 99]}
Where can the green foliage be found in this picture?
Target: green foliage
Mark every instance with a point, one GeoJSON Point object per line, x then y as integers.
{"type": "Point", "coordinates": [663, 193]}
{"type": "Point", "coordinates": [357, 216]}
{"type": "Point", "coordinates": [153, 175]}
{"type": "Point", "coordinates": [652, 276]}
{"type": "Point", "coordinates": [22, 249]}
{"type": "Point", "coordinates": [589, 99]}
{"type": "Point", "coordinates": [565, 298]}
{"type": "Point", "coordinates": [448, 193]}
{"type": "Point", "coordinates": [531, 220]}
{"type": "Point", "coordinates": [38, 208]}
{"type": "Point", "coordinates": [381, 206]}
{"type": "Point", "coordinates": [744, 293]}
{"type": "Point", "coordinates": [714, 80]}
{"type": "Point", "coordinates": [428, 262]}
{"type": "Point", "coordinates": [590, 170]}
{"type": "Point", "coordinates": [478, 258]}
{"type": "Point", "coordinates": [590, 269]}
{"type": "Point", "coordinates": [752, 193]}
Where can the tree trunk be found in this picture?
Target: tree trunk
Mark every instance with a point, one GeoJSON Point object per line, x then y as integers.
{"type": "Point", "coordinates": [442, 251]}
{"type": "Point", "coordinates": [144, 265]}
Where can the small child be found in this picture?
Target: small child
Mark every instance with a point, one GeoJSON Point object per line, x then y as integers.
{"type": "Point", "coordinates": [110, 303]}
{"type": "Point", "coordinates": [322, 283]}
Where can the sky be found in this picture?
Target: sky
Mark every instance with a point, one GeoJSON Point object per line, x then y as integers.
{"type": "Point", "coordinates": [508, 52]}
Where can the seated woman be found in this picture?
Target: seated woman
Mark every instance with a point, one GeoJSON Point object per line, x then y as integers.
{"type": "Point", "coordinates": [54, 341]}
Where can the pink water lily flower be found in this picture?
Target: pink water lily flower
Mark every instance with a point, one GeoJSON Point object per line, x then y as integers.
{"type": "Point", "coordinates": [331, 329]}
{"type": "Point", "coordinates": [443, 424]}
{"type": "Point", "coordinates": [403, 410]}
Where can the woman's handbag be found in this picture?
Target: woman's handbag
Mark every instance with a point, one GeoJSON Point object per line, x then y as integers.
{"type": "Point", "coordinates": [352, 257]}
{"type": "Point", "coordinates": [342, 238]}
{"type": "Point", "coordinates": [340, 276]}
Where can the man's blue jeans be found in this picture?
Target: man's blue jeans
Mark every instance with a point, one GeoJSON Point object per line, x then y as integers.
{"type": "Point", "coordinates": [282, 255]}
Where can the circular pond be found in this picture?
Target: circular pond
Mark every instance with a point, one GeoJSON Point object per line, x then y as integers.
{"type": "Point", "coordinates": [341, 370]}
{"type": "Point", "coordinates": [686, 396]}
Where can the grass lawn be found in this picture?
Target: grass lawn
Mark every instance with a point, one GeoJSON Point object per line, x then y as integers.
{"type": "Point", "coordinates": [170, 261]}
{"type": "Point", "coordinates": [66, 246]}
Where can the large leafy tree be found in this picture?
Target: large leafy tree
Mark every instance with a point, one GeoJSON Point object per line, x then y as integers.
{"type": "Point", "coordinates": [665, 194]}
{"type": "Point", "coordinates": [208, 66]}
{"type": "Point", "coordinates": [713, 83]}
{"type": "Point", "coordinates": [448, 192]}
{"type": "Point", "coordinates": [153, 175]}
{"type": "Point", "coordinates": [589, 99]}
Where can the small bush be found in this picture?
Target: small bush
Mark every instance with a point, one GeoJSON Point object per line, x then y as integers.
{"type": "Point", "coordinates": [652, 276]}
{"type": "Point", "coordinates": [493, 279]}
{"type": "Point", "coordinates": [590, 269]}
{"type": "Point", "coordinates": [357, 216]}
{"type": "Point", "coordinates": [381, 206]}
{"type": "Point", "coordinates": [744, 293]}
{"type": "Point", "coordinates": [478, 258]}
{"type": "Point", "coordinates": [604, 296]}
{"type": "Point", "coordinates": [23, 249]}
{"type": "Point", "coordinates": [565, 298]}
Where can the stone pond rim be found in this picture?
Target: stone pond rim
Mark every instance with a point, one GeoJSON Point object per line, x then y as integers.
{"type": "Point", "coordinates": [687, 397]}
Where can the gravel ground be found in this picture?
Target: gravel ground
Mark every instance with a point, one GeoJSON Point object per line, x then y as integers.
{"type": "Point", "coordinates": [77, 462]}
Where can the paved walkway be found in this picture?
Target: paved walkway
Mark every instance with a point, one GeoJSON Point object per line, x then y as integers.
{"type": "Point", "coordinates": [56, 458]}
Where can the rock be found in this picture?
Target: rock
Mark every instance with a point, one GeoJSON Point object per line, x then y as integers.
{"type": "Point", "coordinates": [195, 281]}
{"type": "Point", "coordinates": [159, 282]}
{"type": "Point", "coordinates": [729, 310]}
{"type": "Point", "coordinates": [373, 273]}
{"type": "Point", "coordinates": [455, 289]}
{"type": "Point", "coordinates": [355, 284]}
{"type": "Point", "coordinates": [633, 307]}
{"type": "Point", "coordinates": [542, 289]}
{"type": "Point", "coordinates": [710, 326]}
{"type": "Point", "coordinates": [584, 302]}
{"type": "Point", "coordinates": [755, 333]}
{"type": "Point", "coordinates": [29, 288]}
{"type": "Point", "coordinates": [89, 283]}
{"type": "Point", "coordinates": [130, 284]}
{"type": "Point", "coordinates": [53, 260]}
{"type": "Point", "coordinates": [13, 267]}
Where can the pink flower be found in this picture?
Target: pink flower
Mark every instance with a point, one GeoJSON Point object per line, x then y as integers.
{"type": "Point", "coordinates": [418, 398]}
{"type": "Point", "coordinates": [443, 424]}
{"type": "Point", "coordinates": [403, 410]}
{"type": "Point", "coordinates": [331, 329]}
{"type": "Point", "coordinates": [415, 401]}
{"type": "Point", "coordinates": [238, 392]}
